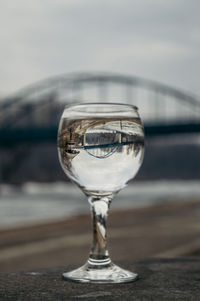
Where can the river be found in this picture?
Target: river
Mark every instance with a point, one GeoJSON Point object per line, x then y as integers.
{"type": "Point", "coordinates": [36, 202]}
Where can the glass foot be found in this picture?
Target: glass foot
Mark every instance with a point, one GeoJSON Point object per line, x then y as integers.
{"type": "Point", "coordinates": [100, 273]}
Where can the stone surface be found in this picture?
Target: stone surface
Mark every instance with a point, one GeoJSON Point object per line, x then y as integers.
{"type": "Point", "coordinates": [160, 279]}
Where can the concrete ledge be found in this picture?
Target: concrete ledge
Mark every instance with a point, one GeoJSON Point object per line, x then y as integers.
{"type": "Point", "coordinates": [160, 279]}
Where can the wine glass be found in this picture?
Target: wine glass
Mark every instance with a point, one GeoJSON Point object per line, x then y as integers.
{"type": "Point", "coordinates": [100, 147]}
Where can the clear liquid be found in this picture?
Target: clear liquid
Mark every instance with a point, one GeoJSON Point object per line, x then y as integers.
{"type": "Point", "coordinates": [101, 155]}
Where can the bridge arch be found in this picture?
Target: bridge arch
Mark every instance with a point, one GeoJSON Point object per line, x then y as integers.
{"type": "Point", "coordinates": [158, 103]}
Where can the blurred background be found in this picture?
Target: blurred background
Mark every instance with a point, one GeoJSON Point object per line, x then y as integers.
{"type": "Point", "coordinates": [58, 52]}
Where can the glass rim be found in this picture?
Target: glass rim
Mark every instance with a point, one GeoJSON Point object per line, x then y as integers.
{"type": "Point", "coordinates": [101, 103]}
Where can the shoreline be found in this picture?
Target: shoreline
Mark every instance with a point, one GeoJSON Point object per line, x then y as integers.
{"type": "Point", "coordinates": [36, 202]}
{"type": "Point", "coordinates": [140, 209]}
{"type": "Point", "coordinates": [167, 230]}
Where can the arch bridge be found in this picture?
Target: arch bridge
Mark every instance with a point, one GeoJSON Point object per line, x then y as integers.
{"type": "Point", "coordinates": [32, 114]}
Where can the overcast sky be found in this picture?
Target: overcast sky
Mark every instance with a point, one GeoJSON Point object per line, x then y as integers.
{"type": "Point", "coordinates": [153, 39]}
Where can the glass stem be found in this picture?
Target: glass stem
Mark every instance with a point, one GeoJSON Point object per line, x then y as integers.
{"type": "Point", "coordinates": [99, 210]}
